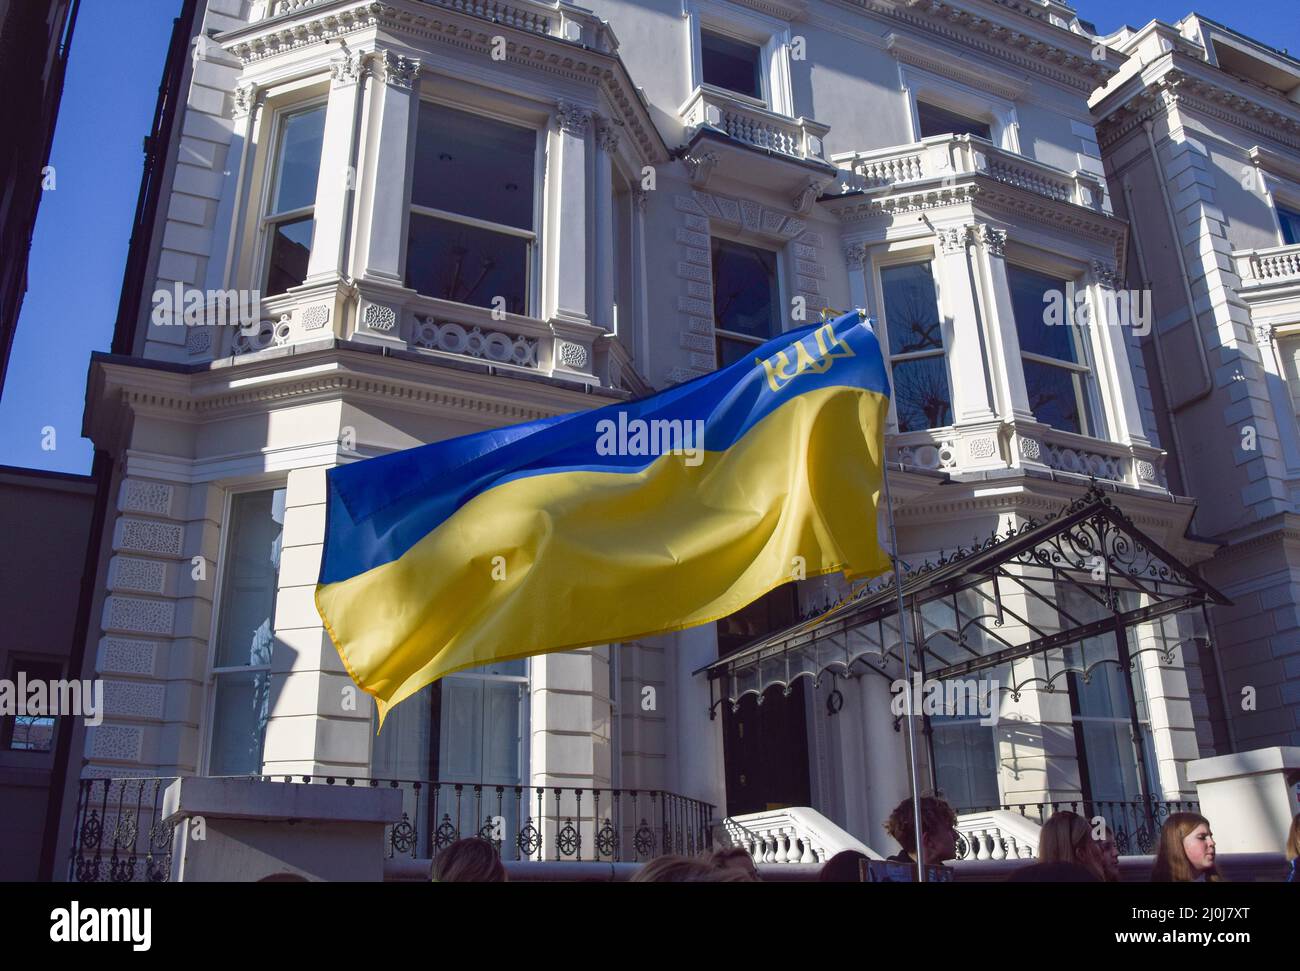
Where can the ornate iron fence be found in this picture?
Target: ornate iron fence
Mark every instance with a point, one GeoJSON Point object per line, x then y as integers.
{"type": "Point", "coordinates": [120, 836]}
{"type": "Point", "coordinates": [1135, 823]}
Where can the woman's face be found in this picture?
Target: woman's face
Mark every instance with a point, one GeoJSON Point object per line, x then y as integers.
{"type": "Point", "coordinates": [1109, 855]}
{"type": "Point", "coordinates": [1199, 847]}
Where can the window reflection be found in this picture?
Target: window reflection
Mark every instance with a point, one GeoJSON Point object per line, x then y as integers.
{"type": "Point", "coordinates": [919, 371]}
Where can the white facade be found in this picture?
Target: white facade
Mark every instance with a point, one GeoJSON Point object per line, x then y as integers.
{"type": "Point", "coordinates": [651, 183]}
{"type": "Point", "coordinates": [1201, 136]}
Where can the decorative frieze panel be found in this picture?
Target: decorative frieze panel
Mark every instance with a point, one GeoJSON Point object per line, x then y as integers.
{"type": "Point", "coordinates": [116, 742]}
{"type": "Point", "coordinates": [154, 498]}
{"type": "Point", "coordinates": [132, 573]}
{"type": "Point", "coordinates": [1083, 462]}
{"type": "Point", "coordinates": [146, 536]}
{"type": "Point", "coordinates": [135, 699]}
{"type": "Point", "coordinates": [137, 616]}
{"type": "Point", "coordinates": [939, 455]}
{"type": "Point", "coordinates": [122, 655]}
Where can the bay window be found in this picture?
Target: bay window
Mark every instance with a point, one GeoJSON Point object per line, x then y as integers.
{"type": "Point", "coordinates": [1053, 355]}
{"type": "Point", "coordinates": [472, 235]}
{"type": "Point", "coordinates": [916, 352]}
{"type": "Point", "coordinates": [289, 224]}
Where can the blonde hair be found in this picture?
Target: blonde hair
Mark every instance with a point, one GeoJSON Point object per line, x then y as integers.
{"type": "Point", "coordinates": [1063, 835]}
{"type": "Point", "coordinates": [1293, 840]}
{"type": "Point", "coordinates": [1171, 864]}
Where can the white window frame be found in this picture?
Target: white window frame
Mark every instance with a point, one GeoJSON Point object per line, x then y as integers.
{"type": "Point", "coordinates": [212, 671]}
{"type": "Point", "coordinates": [781, 302]}
{"type": "Point", "coordinates": [270, 182]}
{"type": "Point", "coordinates": [1087, 389]}
{"type": "Point", "coordinates": [890, 260]}
{"type": "Point", "coordinates": [771, 35]}
{"type": "Point", "coordinates": [922, 85]}
{"type": "Point", "coordinates": [533, 269]}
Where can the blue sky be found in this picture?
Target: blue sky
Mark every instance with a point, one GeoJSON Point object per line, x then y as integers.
{"type": "Point", "coordinates": [79, 250]}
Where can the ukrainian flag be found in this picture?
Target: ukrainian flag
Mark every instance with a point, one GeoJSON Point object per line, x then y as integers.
{"type": "Point", "coordinates": [612, 524]}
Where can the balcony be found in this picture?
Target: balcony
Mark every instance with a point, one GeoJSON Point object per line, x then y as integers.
{"type": "Point", "coordinates": [1265, 268]}
{"type": "Point", "coordinates": [121, 834]}
{"type": "Point", "coordinates": [934, 165]}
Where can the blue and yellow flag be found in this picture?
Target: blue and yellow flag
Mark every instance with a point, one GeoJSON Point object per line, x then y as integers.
{"type": "Point", "coordinates": [612, 524]}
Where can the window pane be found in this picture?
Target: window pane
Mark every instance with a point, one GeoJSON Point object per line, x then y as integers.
{"type": "Point", "coordinates": [940, 121]}
{"type": "Point", "coordinates": [474, 166]}
{"type": "Point", "coordinates": [730, 350]}
{"type": "Point", "coordinates": [744, 289]}
{"type": "Point", "coordinates": [239, 723]}
{"type": "Point", "coordinates": [33, 733]}
{"type": "Point", "coordinates": [1029, 301]}
{"type": "Point", "coordinates": [1052, 396]}
{"type": "Point", "coordinates": [730, 64]}
{"type": "Point", "coordinates": [965, 762]}
{"type": "Point", "coordinates": [299, 161]}
{"type": "Point", "coordinates": [246, 622]}
{"type": "Point", "coordinates": [467, 264]}
{"type": "Point", "coordinates": [911, 308]}
{"type": "Point", "coordinates": [1290, 220]}
{"type": "Point", "coordinates": [921, 398]}
{"type": "Point", "coordinates": [290, 250]}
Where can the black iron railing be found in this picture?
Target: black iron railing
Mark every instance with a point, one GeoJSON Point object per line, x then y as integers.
{"type": "Point", "coordinates": [120, 836]}
{"type": "Point", "coordinates": [1134, 823]}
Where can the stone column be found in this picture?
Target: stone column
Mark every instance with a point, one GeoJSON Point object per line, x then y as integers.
{"type": "Point", "coordinates": [320, 721]}
{"type": "Point", "coordinates": [603, 210]}
{"type": "Point", "coordinates": [394, 102]}
{"type": "Point", "coordinates": [337, 179]}
{"type": "Point", "coordinates": [568, 255]}
{"type": "Point", "coordinates": [1108, 339]}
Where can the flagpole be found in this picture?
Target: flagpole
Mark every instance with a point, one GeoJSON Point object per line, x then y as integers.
{"type": "Point", "coordinates": [907, 664]}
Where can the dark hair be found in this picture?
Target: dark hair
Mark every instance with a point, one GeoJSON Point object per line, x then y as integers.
{"type": "Point", "coordinates": [844, 867]}
{"type": "Point", "coordinates": [733, 858]}
{"type": "Point", "coordinates": [935, 815]}
{"type": "Point", "coordinates": [471, 860]}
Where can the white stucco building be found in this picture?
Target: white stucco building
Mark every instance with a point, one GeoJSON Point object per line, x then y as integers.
{"type": "Point", "coordinates": [464, 215]}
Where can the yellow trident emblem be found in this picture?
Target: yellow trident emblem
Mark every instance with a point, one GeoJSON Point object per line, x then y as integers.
{"type": "Point", "coordinates": [829, 349]}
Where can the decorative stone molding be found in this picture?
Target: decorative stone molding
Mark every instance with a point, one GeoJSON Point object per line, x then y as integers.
{"type": "Point", "coordinates": [348, 69]}
{"type": "Point", "coordinates": [572, 119]}
{"type": "Point", "coordinates": [122, 655]}
{"type": "Point", "coordinates": [492, 345]}
{"type": "Point", "coordinates": [982, 448]}
{"type": "Point", "coordinates": [380, 318]}
{"type": "Point", "coordinates": [198, 340]}
{"type": "Point", "coordinates": [855, 255]}
{"type": "Point", "coordinates": [134, 699]}
{"type": "Point", "coordinates": [992, 239]}
{"type": "Point", "coordinates": [606, 137]}
{"type": "Point", "coordinates": [136, 616]}
{"type": "Point", "coordinates": [144, 576]}
{"type": "Point", "coordinates": [640, 197]}
{"type": "Point", "coordinates": [396, 69]}
{"type": "Point", "coordinates": [1264, 335]}
{"type": "Point", "coordinates": [804, 200]}
{"type": "Point", "coordinates": [571, 355]}
{"type": "Point", "coordinates": [1106, 273]}
{"type": "Point", "coordinates": [315, 317]}
{"type": "Point", "coordinates": [700, 167]}
{"type": "Point", "coordinates": [245, 343]}
{"type": "Point", "coordinates": [115, 742]}
{"type": "Point", "coordinates": [927, 56]}
{"type": "Point", "coordinates": [953, 239]}
{"type": "Point", "coordinates": [1146, 471]}
{"type": "Point", "coordinates": [940, 455]}
{"type": "Point", "coordinates": [246, 97]}
{"type": "Point", "coordinates": [1030, 449]}
{"type": "Point", "coordinates": [154, 498]}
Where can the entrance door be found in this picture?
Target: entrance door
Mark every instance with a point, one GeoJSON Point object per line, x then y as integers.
{"type": "Point", "coordinates": [481, 743]}
{"type": "Point", "coordinates": [766, 752]}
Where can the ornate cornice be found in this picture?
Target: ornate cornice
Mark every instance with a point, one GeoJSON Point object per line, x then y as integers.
{"type": "Point", "coordinates": [528, 43]}
{"type": "Point", "coordinates": [940, 61]}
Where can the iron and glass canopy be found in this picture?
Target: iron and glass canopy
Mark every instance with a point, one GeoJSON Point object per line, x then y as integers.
{"type": "Point", "coordinates": [1082, 588]}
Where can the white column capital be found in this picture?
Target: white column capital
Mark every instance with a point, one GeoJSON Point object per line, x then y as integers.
{"type": "Point", "coordinates": [572, 119]}
{"type": "Point", "coordinates": [395, 69]}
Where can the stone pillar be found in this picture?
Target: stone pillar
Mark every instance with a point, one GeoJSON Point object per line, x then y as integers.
{"type": "Point", "coordinates": [320, 721]}
{"type": "Point", "coordinates": [571, 744]}
{"type": "Point", "coordinates": [1249, 798]}
{"type": "Point", "coordinates": [246, 830]}
{"type": "Point", "coordinates": [568, 255]}
{"type": "Point", "coordinates": [1113, 376]}
{"type": "Point", "coordinates": [603, 210]}
{"type": "Point", "coordinates": [336, 179]}
{"type": "Point", "coordinates": [1169, 704]}
{"type": "Point", "coordinates": [394, 101]}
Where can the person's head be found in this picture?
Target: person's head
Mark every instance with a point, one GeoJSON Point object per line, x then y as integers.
{"type": "Point", "coordinates": [1293, 839]}
{"type": "Point", "coordinates": [1186, 851]}
{"type": "Point", "coordinates": [471, 860]}
{"type": "Point", "coordinates": [844, 867]}
{"type": "Point", "coordinates": [938, 829]}
{"type": "Point", "coordinates": [734, 858]}
{"type": "Point", "coordinates": [1109, 847]}
{"type": "Point", "coordinates": [686, 869]}
{"type": "Point", "coordinates": [1068, 838]}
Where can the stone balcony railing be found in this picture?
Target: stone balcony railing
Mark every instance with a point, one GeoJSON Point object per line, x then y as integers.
{"type": "Point", "coordinates": [959, 449]}
{"type": "Point", "coordinates": [751, 124]}
{"type": "Point", "coordinates": [796, 834]}
{"type": "Point", "coordinates": [1268, 267]}
{"type": "Point", "coordinates": [949, 157]}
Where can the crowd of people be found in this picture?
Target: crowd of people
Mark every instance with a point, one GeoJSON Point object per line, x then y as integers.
{"type": "Point", "coordinates": [1071, 848]}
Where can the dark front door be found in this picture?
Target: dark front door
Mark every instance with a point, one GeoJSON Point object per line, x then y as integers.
{"type": "Point", "coordinates": [766, 752]}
